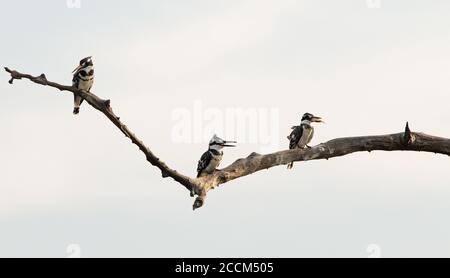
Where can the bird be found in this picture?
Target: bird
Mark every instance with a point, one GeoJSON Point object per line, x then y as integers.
{"type": "Point", "coordinates": [83, 78]}
{"type": "Point", "coordinates": [301, 135]}
{"type": "Point", "coordinates": [211, 159]}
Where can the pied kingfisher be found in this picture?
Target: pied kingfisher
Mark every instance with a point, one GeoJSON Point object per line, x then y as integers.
{"type": "Point", "coordinates": [83, 78]}
{"type": "Point", "coordinates": [301, 135]}
{"type": "Point", "coordinates": [211, 159]}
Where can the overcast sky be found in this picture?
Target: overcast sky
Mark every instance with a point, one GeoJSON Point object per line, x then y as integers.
{"type": "Point", "coordinates": [178, 71]}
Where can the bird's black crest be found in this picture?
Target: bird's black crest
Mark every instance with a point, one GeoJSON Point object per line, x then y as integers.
{"type": "Point", "coordinates": [86, 61]}
{"type": "Point", "coordinates": [307, 116]}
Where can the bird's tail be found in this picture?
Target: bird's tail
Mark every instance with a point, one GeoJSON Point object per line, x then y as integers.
{"type": "Point", "coordinates": [290, 165]}
{"type": "Point", "coordinates": [76, 105]}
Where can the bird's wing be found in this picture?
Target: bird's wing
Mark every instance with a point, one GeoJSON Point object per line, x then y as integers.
{"type": "Point", "coordinates": [295, 136]}
{"type": "Point", "coordinates": [203, 162]}
{"type": "Point", "coordinates": [75, 80]}
{"type": "Point", "coordinates": [75, 74]}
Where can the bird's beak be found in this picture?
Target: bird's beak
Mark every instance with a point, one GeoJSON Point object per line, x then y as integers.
{"type": "Point", "coordinates": [317, 120]}
{"type": "Point", "coordinates": [227, 144]}
{"type": "Point", "coordinates": [80, 66]}
{"type": "Point", "coordinates": [75, 70]}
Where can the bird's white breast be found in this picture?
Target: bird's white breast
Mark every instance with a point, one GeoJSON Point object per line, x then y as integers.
{"type": "Point", "coordinates": [306, 136]}
{"type": "Point", "coordinates": [86, 82]}
{"type": "Point", "coordinates": [85, 85]}
{"type": "Point", "coordinates": [213, 164]}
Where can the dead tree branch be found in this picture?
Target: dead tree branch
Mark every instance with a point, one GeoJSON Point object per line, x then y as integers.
{"type": "Point", "coordinates": [404, 141]}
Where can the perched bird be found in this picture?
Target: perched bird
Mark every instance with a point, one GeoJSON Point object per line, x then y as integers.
{"type": "Point", "coordinates": [83, 78]}
{"type": "Point", "coordinates": [211, 159]}
{"type": "Point", "coordinates": [301, 135]}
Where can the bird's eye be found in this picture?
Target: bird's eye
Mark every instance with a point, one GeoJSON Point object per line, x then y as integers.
{"type": "Point", "coordinates": [83, 73]}
{"type": "Point", "coordinates": [91, 72]}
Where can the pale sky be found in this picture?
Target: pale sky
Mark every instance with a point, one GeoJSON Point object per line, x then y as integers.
{"type": "Point", "coordinates": [365, 68]}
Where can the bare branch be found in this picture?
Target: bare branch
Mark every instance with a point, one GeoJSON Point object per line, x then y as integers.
{"type": "Point", "coordinates": [337, 147]}
{"type": "Point", "coordinates": [104, 106]}
{"type": "Point", "coordinates": [405, 141]}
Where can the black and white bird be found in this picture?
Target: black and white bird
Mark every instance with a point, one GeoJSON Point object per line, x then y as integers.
{"type": "Point", "coordinates": [211, 159]}
{"type": "Point", "coordinates": [301, 135]}
{"type": "Point", "coordinates": [83, 78]}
